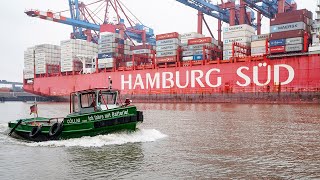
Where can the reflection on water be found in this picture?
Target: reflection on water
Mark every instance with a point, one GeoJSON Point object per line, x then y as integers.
{"type": "Point", "coordinates": [176, 141]}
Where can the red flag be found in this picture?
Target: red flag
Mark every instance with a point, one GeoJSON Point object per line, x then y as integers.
{"type": "Point", "coordinates": [33, 109]}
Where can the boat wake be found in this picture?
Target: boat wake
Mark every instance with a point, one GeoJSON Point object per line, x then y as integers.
{"type": "Point", "coordinates": [143, 135]}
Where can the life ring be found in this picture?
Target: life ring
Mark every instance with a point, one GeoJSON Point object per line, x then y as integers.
{"type": "Point", "coordinates": [55, 129]}
{"type": "Point", "coordinates": [35, 132]}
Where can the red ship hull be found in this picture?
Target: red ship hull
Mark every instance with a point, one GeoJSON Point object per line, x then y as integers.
{"type": "Point", "coordinates": [285, 80]}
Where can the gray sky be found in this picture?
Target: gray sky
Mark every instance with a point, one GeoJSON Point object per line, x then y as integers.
{"type": "Point", "coordinates": [18, 31]}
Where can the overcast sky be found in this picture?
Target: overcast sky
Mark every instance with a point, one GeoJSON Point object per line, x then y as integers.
{"type": "Point", "coordinates": [18, 31]}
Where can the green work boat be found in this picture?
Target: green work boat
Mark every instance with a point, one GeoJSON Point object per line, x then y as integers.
{"type": "Point", "coordinates": [92, 112]}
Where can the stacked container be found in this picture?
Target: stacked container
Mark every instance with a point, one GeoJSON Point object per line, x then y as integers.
{"type": "Point", "coordinates": [167, 46]}
{"type": "Point", "coordinates": [240, 34]}
{"type": "Point", "coordinates": [288, 31]}
{"type": "Point", "coordinates": [258, 44]}
{"type": "Point", "coordinates": [142, 51]}
{"type": "Point", "coordinates": [72, 48]}
{"type": "Point", "coordinates": [111, 45]}
{"type": "Point", "coordinates": [315, 48]}
{"type": "Point", "coordinates": [194, 50]}
{"type": "Point", "coordinates": [28, 72]}
{"type": "Point", "coordinates": [46, 54]}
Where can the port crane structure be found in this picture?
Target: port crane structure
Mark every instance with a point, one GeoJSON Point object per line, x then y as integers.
{"type": "Point", "coordinates": [235, 14]}
{"type": "Point", "coordinates": [86, 22]}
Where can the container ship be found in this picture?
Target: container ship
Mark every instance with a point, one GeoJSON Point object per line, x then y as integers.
{"type": "Point", "coordinates": [244, 67]}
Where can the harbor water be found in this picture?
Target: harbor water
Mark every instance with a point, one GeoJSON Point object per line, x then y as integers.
{"type": "Point", "coordinates": [175, 141]}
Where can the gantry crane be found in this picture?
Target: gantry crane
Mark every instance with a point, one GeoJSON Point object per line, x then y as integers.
{"type": "Point", "coordinates": [86, 23]}
{"type": "Point", "coordinates": [234, 14]}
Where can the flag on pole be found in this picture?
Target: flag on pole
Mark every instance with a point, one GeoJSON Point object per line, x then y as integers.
{"type": "Point", "coordinates": [34, 109]}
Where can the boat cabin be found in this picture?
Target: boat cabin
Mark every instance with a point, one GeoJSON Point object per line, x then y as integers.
{"type": "Point", "coordinates": [93, 100]}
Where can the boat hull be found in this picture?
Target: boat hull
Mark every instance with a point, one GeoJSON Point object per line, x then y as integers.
{"type": "Point", "coordinates": [282, 80]}
{"type": "Point", "coordinates": [77, 125]}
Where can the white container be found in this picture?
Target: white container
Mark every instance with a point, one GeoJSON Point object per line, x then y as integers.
{"type": "Point", "coordinates": [258, 44]}
{"type": "Point", "coordinates": [238, 40]}
{"type": "Point", "coordinates": [167, 47]}
{"type": "Point", "coordinates": [187, 58]}
{"type": "Point", "coordinates": [187, 53]}
{"type": "Point", "coordinates": [167, 42]}
{"type": "Point", "coordinates": [166, 53]}
{"type": "Point", "coordinates": [105, 60]}
{"type": "Point", "coordinates": [258, 50]}
{"type": "Point", "coordinates": [191, 35]}
{"type": "Point", "coordinates": [199, 46]}
{"type": "Point", "coordinates": [297, 40]}
{"type": "Point", "coordinates": [229, 35]}
{"type": "Point", "coordinates": [260, 37]}
{"type": "Point", "coordinates": [141, 51]}
{"type": "Point", "coordinates": [237, 28]}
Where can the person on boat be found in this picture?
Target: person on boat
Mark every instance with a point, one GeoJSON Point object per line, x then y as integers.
{"type": "Point", "coordinates": [127, 102]}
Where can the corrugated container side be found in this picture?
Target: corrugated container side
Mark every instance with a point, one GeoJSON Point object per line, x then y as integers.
{"type": "Point", "coordinates": [290, 19]}
{"type": "Point", "coordinates": [304, 12]}
{"type": "Point", "coordinates": [238, 39]}
{"type": "Point", "coordinates": [258, 44]}
{"type": "Point", "coordinates": [202, 41]}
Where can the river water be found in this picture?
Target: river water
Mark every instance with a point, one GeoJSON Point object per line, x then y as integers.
{"type": "Point", "coordinates": [175, 141]}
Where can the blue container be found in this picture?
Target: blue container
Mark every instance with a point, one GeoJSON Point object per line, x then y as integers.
{"type": "Point", "coordinates": [121, 41]}
{"type": "Point", "coordinates": [197, 57]}
{"type": "Point", "coordinates": [105, 55]}
{"type": "Point", "coordinates": [277, 42]}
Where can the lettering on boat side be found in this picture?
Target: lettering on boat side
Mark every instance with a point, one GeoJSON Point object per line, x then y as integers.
{"type": "Point", "coordinates": [73, 120]}
{"type": "Point", "coordinates": [98, 117]}
{"type": "Point", "coordinates": [213, 78]}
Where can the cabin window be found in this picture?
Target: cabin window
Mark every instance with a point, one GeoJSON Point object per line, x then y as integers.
{"type": "Point", "coordinates": [108, 98]}
{"type": "Point", "coordinates": [87, 100]}
{"type": "Point", "coordinates": [75, 106]}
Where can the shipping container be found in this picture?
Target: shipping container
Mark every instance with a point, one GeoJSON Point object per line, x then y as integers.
{"type": "Point", "coordinates": [288, 27]}
{"type": "Point", "coordinates": [168, 36]}
{"type": "Point", "coordinates": [197, 57]}
{"type": "Point", "coordinates": [287, 34]}
{"type": "Point", "coordinates": [294, 48]}
{"type": "Point", "coordinates": [146, 46]}
{"type": "Point", "coordinates": [277, 42]}
{"type": "Point", "coordinates": [238, 40]}
{"type": "Point", "coordinates": [259, 37]}
{"type": "Point", "coordinates": [187, 53]}
{"type": "Point", "coordinates": [167, 42]}
{"type": "Point", "coordinates": [191, 35]}
{"type": "Point", "coordinates": [258, 44]}
{"type": "Point", "coordinates": [258, 50]}
{"type": "Point", "coordinates": [167, 47]}
{"type": "Point", "coordinates": [141, 51]}
{"type": "Point", "coordinates": [166, 53]}
{"type": "Point", "coordinates": [166, 59]}
{"type": "Point", "coordinates": [290, 19]}
{"type": "Point", "coordinates": [237, 28]}
{"type": "Point", "coordinates": [277, 49]}
{"type": "Point", "coordinates": [187, 58]}
{"type": "Point", "coordinates": [297, 40]}
{"type": "Point", "coordinates": [304, 12]}
{"type": "Point", "coordinates": [204, 40]}
{"type": "Point", "coordinates": [236, 34]}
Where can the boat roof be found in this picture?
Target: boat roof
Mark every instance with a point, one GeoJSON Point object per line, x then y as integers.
{"type": "Point", "coordinates": [96, 89]}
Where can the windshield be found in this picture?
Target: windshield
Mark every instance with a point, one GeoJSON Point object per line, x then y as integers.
{"type": "Point", "coordinates": [108, 97]}
{"type": "Point", "coordinates": [87, 100]}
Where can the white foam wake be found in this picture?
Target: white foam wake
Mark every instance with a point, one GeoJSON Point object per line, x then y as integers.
{"type": "Point", "coordinates": [143, 135]}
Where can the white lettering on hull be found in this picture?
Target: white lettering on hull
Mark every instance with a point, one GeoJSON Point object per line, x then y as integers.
{"type": "Point", "coordinates": [209, 79]}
